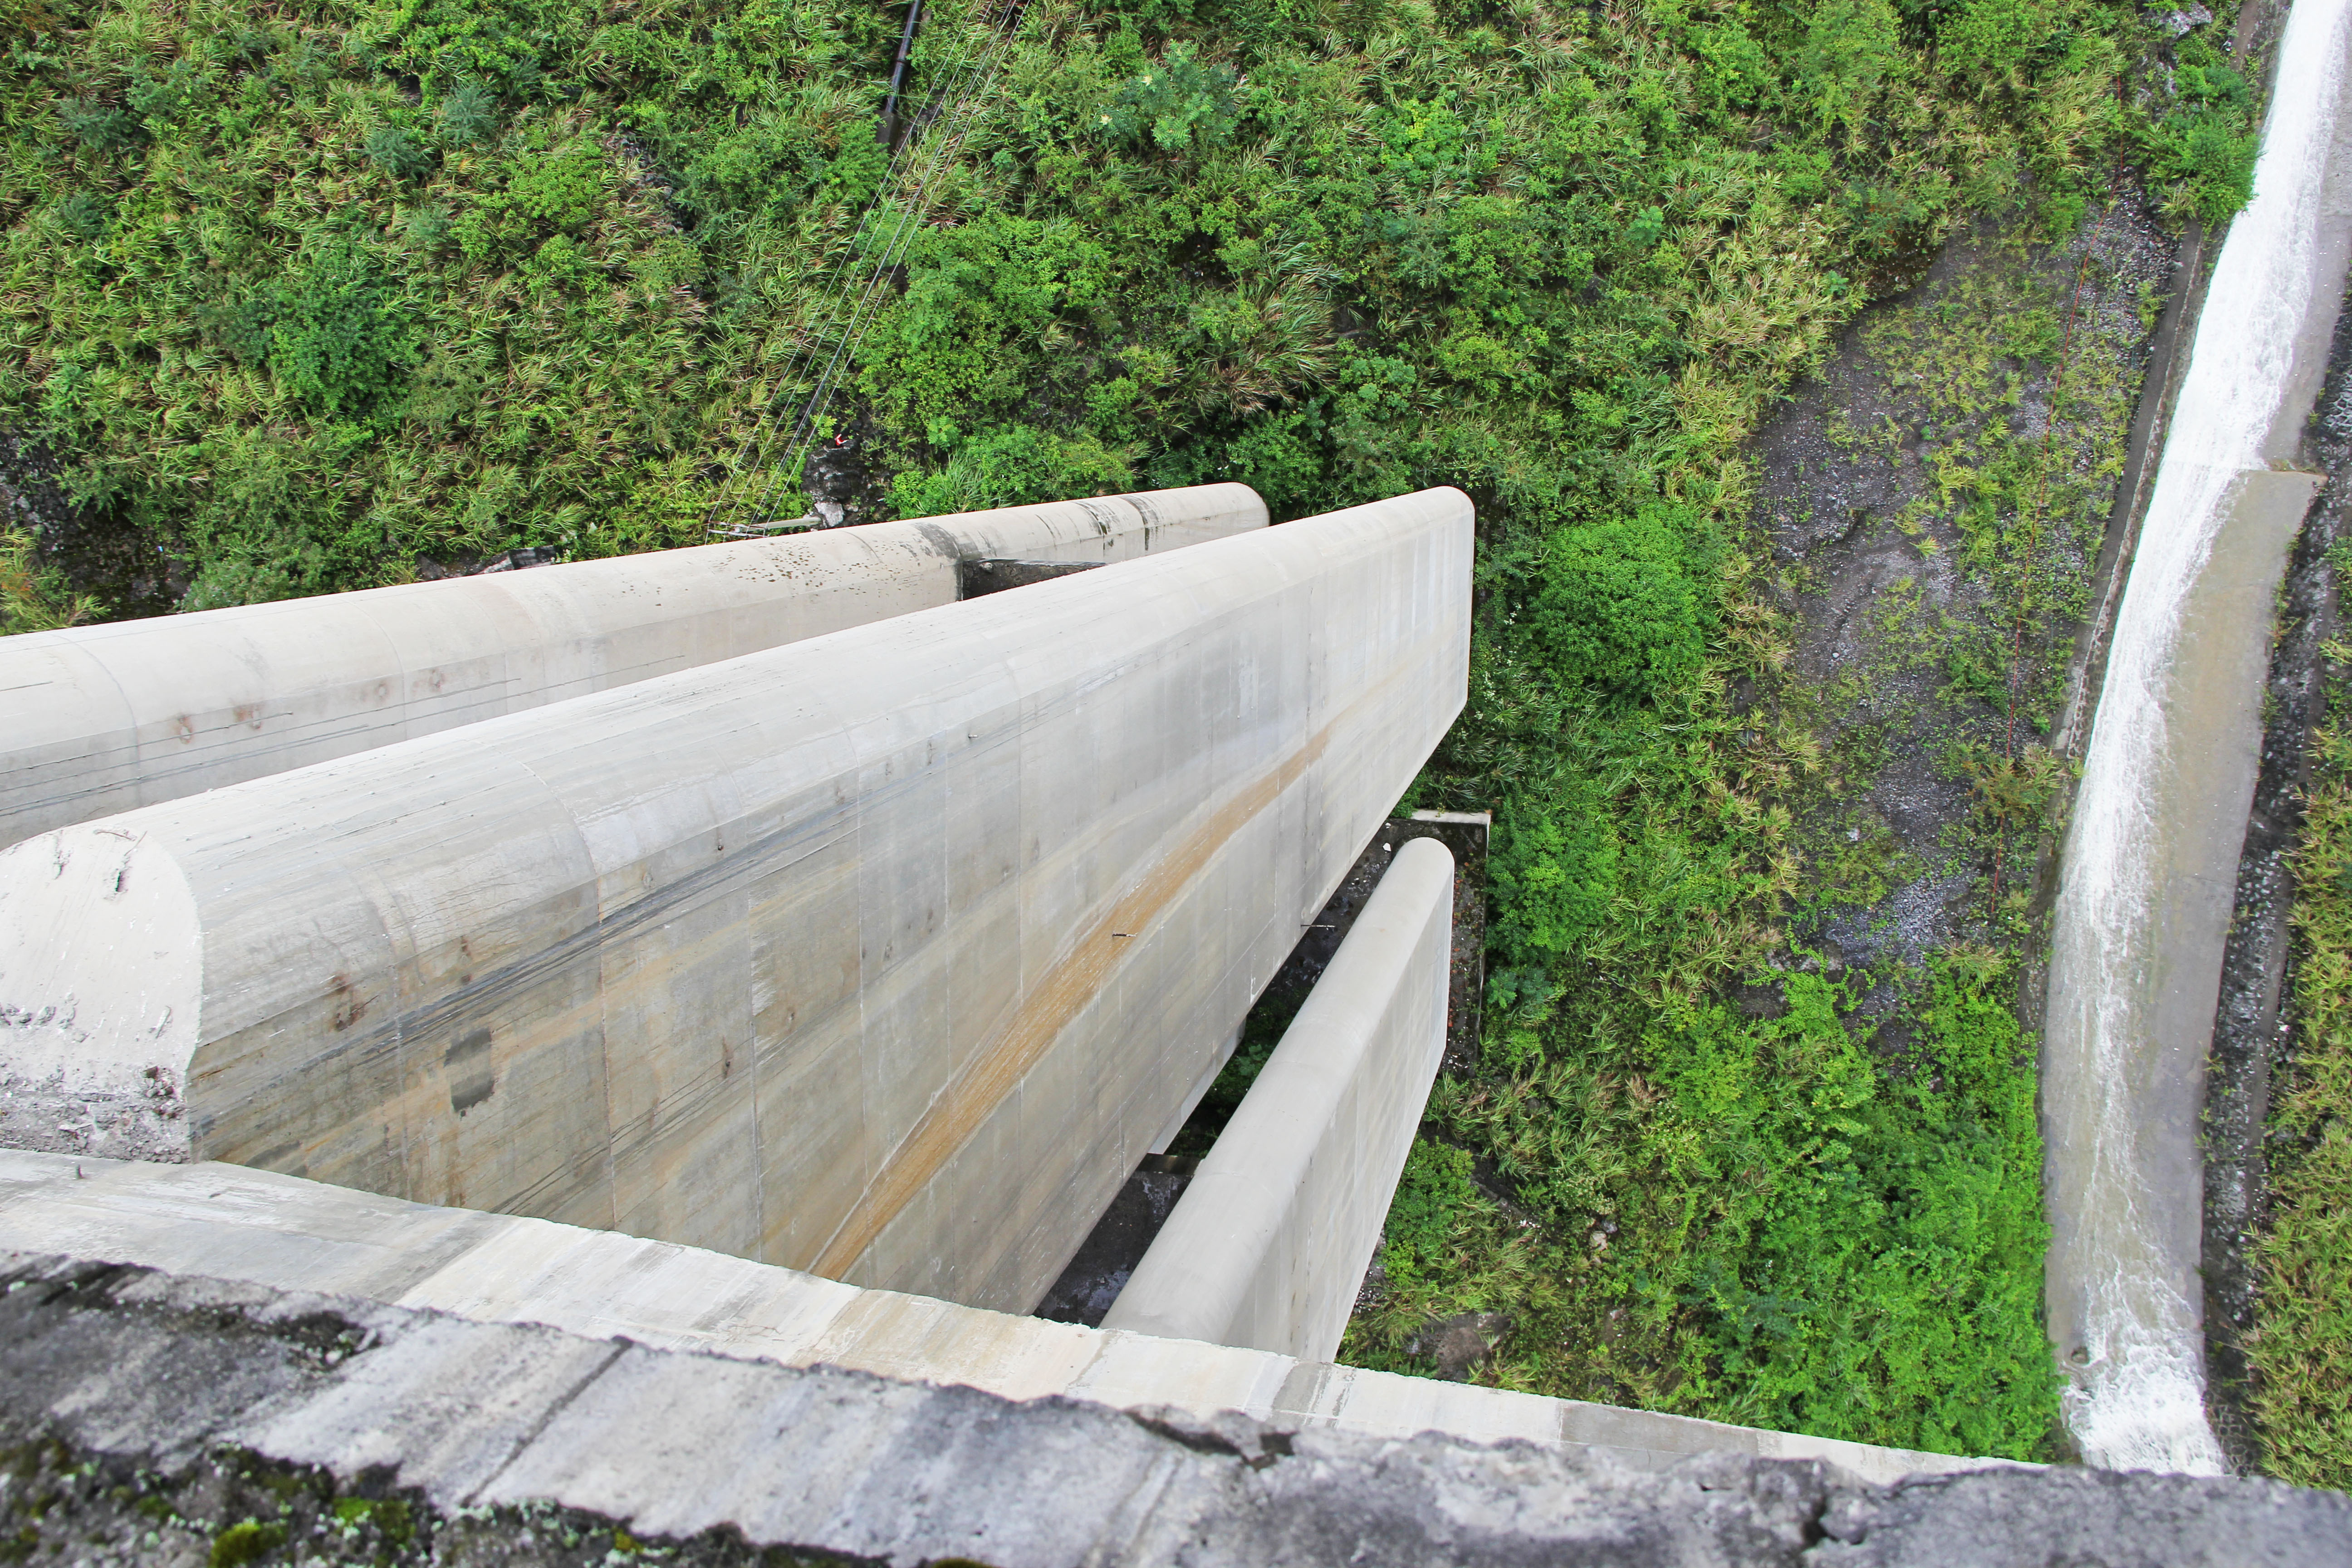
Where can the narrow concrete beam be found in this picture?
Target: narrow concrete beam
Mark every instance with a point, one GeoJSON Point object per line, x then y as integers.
{"type": "Point", "coordinates": [883, 955]}
{"type": "Point", "coordinates": [105, 719]}
{"type": "Point", "coordinates": [1268, 1245]}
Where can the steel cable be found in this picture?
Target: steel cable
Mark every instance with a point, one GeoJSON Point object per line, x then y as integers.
{"type": "Point", "coordinates": [950, 143]}
{"type": "Point", "coordinates": [838, 289]}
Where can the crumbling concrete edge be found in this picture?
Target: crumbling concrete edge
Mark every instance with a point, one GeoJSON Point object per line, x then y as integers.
{"type": "Point", "coordinates": [119, 1385]}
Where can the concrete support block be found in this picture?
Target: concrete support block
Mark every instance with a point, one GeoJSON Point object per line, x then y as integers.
{"type": "Point", "coordinates": [884, 954]}
{"type": "Point", "coordinates": [104, 719]}
{"type": "Point", "coordinates": [1269, 1243]}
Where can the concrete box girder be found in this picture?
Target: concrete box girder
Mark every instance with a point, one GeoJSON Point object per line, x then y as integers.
{"type": "Point", "coordinates": [108, 718]}
{"type": "Point", "coordinates": [883, 955]}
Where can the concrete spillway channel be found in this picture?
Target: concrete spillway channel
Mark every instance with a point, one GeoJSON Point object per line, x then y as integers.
{"type": "Point", "coordinates": [2152, 849]}
{"type": "Point", "coordinates": [885, 954]}
{"type": "Point", "coordinates": [103, 719]}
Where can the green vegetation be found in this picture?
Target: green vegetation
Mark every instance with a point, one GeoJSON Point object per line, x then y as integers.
{"type": "Point", "coordinates": [245, 1541]}
{"type": "Point", "coordinates": [310, 293]}
{"type": "Point", "coordinates": [2301, 1350]}
{"type": "Point", "coordinates": [33, 597]}
{"type": "Point", "coordinates": [1760, 1224]}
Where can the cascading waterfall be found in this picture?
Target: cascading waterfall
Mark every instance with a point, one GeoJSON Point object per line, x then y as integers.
{"type": "Point", "coordinates": [2138, 1397]}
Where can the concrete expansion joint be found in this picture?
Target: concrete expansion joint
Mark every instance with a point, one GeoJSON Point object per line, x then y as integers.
{"type": "Point", "coordinates": [563, 1402]}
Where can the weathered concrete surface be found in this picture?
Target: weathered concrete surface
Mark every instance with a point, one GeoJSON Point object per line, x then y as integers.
{"type": "Point", "coordinates": [516, 1442]}
{"type": "Point", "coordinates": [229, 1222]}
{"type": "Point", "coordinates": [104, 719]}
{"type": "Point", "coordinates": [883, 955]}
{"type": "Point", "coordinates": [1269, 1243]}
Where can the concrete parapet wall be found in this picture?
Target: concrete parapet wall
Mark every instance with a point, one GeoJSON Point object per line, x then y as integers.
{"type": "Point", "coordinates": [286, 1234]}
{"type": "Point", "coordinates": [883, 955]}
{"type": "Point", "coordinates": [105, 719]}
{"type": "Point", "coordinates": [1268, 1245]}
{"type": "Point", "coordinates": [155, 1417]}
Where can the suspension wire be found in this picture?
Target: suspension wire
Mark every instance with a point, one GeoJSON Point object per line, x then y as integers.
{"type": "Point", "coordinates": [837, 289]}
{"type": "Point", "coordinates": [893, 250]}
{"type": "Point", "coordinates": [986, 66]}
{"type": "Point", "coordinates": [830, 300]}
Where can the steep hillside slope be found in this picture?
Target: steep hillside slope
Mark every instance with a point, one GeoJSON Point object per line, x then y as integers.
{"type": "Point", "coordinates": [306, 298]}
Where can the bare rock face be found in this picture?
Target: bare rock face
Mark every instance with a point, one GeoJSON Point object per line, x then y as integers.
{"type": "Point", "coordinates": [163, 1419]}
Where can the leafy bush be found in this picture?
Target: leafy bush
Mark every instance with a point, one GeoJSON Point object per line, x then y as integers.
{"type": "Point", "coordinates": [1617, 608]}
{"type": "Point", "coordinates": [1176, 105]}
{"type": "Point", "coordinates": [1883, 1274]}
{"type": "Point", "coordinates": [1850, 50]}
{"type": "Point", "coordinates": [563, 188]}
{"type": "Point", "coordinates": [468, 116]}
{"type": "Point", "coordinates": [2206, 140]}
{"type": "Point", "coordinates": [82, 215]}
{"type": "Point", "coordinates": [1013, 467]}
{"type": "Point", "coordinates": [1433, 1191]}
{"type": "Point", "coordinates": [103, 129]}
{"type": "Point", "coordinates": [2301, 1346]}
{"type": "Point", "coordinates": [1808, 1243]}
{"type": "Point", "coordinates": [339, 337]}
{"type": "Point", "coordinates": [1553, 865]}
{"type": "Point", "coordinates": [1993, 41]}
{"type": "Point", "coordinates": [398, 153]}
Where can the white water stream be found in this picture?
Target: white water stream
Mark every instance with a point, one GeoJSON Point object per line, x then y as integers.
{"type": "Point", "coordinates": [2124, 1052]}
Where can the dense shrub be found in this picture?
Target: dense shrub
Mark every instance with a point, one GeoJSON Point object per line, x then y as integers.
{"type": "Point", "coordinates": [340, 338]}
{"type": "Point", "coordinates": [1554, 875]}
{"type": "Point", "coordinates": [1431, 1194]}
{"type": "Point", "coordinates": [2207, 140]}
{"type": "Point", "coordinates": [2301, 1349]}
{"type": "Point", "coordinates": [1617, 607]}
{"type": "Point", "coordinates": [1011, 467]}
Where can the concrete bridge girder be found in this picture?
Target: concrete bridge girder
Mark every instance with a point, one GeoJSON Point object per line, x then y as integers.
{"type": "Point", "coordinates": [913, 933]}
{"type": "Point", "coordinates": [110, 717]}
{"type": "Point", "coordinates": [1270, 1241]}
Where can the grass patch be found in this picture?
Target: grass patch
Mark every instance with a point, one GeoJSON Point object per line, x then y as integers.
{"type": "Point", "coordinates": [2300, 1350]}
{"type": "Point", "coordinates": [33, 597]}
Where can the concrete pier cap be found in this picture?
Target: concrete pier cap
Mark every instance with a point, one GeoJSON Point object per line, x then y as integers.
{"type": "Point", "coordinates": [883, 953]}
{"type": "Point", "coordinates": [1269, 1243]}
{"type": "Point", "coordinates": [109, 718]}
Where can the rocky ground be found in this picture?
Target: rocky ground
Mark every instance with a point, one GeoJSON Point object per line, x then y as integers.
{"type": "Point", "coordinates": [1937, 499]}
{"type": "Point", "coordinates": [125, 568]}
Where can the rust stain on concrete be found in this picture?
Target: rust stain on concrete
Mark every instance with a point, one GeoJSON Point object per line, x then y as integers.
{"type": "Point", "coordinates": [1074, 982]}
